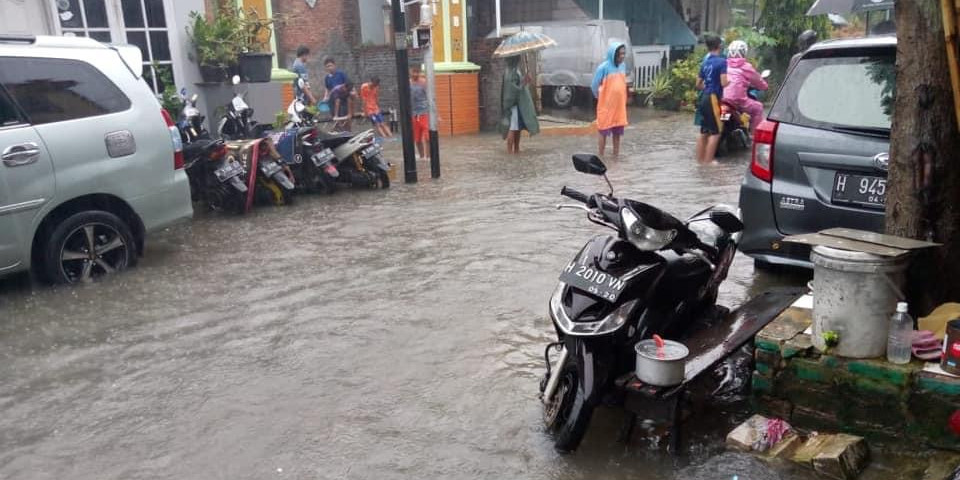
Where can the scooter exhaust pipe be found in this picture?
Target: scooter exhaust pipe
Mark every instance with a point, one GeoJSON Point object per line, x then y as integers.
{"type": "Point", "coordinates": [555, 376]}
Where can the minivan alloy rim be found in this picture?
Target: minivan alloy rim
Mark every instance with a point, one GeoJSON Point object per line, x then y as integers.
{"type": "Point", "coordinates": [92, 250]}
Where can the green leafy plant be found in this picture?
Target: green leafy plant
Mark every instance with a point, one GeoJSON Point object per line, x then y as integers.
{"type": "Point", "coordinates": [219, 42]}
{"type": "Point", "coordinates": [169, 97]}
{"type": "Point", "coordinates": [783, 21]}
{"type": "Point", "coordinates": [831, 339]}
{"type": "Point", "coordinates": [684, 74]}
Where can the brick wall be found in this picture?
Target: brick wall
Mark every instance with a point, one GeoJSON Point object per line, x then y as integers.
{"type": "Point", "coordinates": [332, 28]}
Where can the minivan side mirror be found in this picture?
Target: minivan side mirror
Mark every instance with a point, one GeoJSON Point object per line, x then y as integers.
{"type": "Point", "coordinates": [727, 221]}
{"type": "Point", "coordinates": [589, 164]}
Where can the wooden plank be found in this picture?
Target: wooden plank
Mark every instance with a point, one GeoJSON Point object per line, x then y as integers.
{"type": "Point", "coordinates": [815, 239]}
{"type": "Point", "coordinates": [879, 239]}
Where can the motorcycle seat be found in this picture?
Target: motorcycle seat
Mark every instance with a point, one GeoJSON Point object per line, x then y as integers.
{"type": "Point", "coordinates": [199, 147]}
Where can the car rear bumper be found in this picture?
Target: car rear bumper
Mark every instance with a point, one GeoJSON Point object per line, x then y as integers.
{"type": "Point", "coordinates": [166, 207]}
{"type": "Point", "coordinates": [761, 238]}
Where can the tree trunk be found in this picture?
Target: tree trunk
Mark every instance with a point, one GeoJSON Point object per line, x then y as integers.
{"type": "Point", "coordinates": [923, 200]}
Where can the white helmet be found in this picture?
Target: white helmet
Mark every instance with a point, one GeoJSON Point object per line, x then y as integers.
{"type": "Point", "coordinates": [738, 48]}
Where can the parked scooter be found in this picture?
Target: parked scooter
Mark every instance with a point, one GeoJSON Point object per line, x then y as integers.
{"type": "Point", "coordinates": [313, 164]}
{"type": "Point", "coordinates": [657, 275]}
{"type": "Point", "coordinates": [736, 134]}
{"type": "Point", "coordinates": [214, 178]}
{"type": "Point", "coordinates": [359, 159]}
{"type": "Point", "coordinates": [274, 182]}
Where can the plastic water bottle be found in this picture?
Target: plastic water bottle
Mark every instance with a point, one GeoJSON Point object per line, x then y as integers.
{"type": "Point", "coordinates": [900, 339]}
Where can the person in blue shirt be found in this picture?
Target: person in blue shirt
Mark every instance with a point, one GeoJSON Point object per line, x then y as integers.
{"type": "Point", "coordinates": [336, 78]}
{"type": "Point", "coordinates": [712, 79]}
{"type": "Point", "coordinates": [302, 89]}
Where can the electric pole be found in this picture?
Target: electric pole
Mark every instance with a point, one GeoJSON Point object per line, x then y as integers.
{"type": "Point", "coordinates": [403, 89]}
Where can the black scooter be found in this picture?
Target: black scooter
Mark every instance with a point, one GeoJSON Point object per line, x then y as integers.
{"type": "Point", "coordinates": [657, 275]}
{"type": "Point", "coordinates": [214, 177]}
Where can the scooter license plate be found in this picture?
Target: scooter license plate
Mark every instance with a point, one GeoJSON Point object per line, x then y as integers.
{"type": "Point", "coordinates": [601, 284]}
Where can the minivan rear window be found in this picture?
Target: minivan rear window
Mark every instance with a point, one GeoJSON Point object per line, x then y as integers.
{"type": "Point", "coordinates": [840, 89]}
{"type": "Point", "coordinates": [53, 89]}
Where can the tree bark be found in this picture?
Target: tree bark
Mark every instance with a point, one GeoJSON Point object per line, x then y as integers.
{"type": "Point", "coordinates": [923, 198]}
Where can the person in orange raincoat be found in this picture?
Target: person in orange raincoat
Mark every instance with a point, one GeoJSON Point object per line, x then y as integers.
{"type": "Point", "coordinates": [610, 89]}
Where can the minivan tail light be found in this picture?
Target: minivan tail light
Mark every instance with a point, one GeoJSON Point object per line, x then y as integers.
{"type": "Point", "coordinates": [178, 162]}
{"type": "Point", "coordinates": [761, 165]}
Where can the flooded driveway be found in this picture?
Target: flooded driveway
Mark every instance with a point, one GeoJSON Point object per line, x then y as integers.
{"type": "Point", "coordinates": [390, 335]}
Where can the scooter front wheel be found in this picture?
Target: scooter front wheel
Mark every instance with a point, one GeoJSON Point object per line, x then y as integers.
{"type": "Point", "coordinates": [567, 415]}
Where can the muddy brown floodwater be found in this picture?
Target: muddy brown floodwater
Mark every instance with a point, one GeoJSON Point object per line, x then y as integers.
{"type": "Point", "coordinates": [372, 334]}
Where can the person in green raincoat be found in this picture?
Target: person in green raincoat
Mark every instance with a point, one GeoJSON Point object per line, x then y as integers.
{"type": "Point", "coordinates": [516, 106]}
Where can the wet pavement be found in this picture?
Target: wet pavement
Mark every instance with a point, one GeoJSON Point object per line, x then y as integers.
{"type": "Point", "coordinates": [372, 334]}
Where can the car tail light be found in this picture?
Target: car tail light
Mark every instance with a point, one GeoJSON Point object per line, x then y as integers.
{"type": "Point", "coordinates": [763, 139]}
{"type": "Point", "coordinates": [178, 161]}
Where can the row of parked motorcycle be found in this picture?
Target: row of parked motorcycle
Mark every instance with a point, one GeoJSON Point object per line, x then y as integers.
{"type": "Point", "coordinates": [251, 163]}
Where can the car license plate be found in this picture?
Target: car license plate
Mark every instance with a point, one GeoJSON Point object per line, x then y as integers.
{"type": "Point", "coordinates": [602, 284]}
{"type": "Point", "coordinates": [861, 190]}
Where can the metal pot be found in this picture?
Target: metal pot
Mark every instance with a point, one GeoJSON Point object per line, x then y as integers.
{"type": "Point", "coordinates": [661, 366]}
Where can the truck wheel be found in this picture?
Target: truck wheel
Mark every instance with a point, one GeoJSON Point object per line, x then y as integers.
{"type": "Point", "coordinates": [563, 96]}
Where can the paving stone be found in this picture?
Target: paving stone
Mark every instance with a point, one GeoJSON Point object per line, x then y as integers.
{"type": "Point", "coordinates": [786, 447]}
{"type": "Point", "coordinates": [882, 371]}
{"type": "Point", "coordinates": [798, 346]}
{"type": "Point", "coordinates": [841, 457]}
{"type": "Point", "coordinates": [747, 433]}
{"type": "Point", "coordinates": [786, 326]}
{"type": "Point", "coordinates": [937, 383]}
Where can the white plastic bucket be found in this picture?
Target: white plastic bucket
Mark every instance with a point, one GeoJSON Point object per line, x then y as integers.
{"type": "Point", "coordinates": [854, 296]}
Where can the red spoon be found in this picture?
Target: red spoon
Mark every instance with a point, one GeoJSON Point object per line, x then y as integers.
{"type": "Point", "coordinates": [659, 342]}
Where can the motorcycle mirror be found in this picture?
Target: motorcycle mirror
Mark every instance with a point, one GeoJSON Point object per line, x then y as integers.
{"type": "Point", "coordinates": [235, 80]}
{"type": "Point", "coordinates": [727, 221]}
{"type": "Point", "coordinates": [765, 74]}
{"type": "Point", "coordinates": [300, 107]}
{"type": "Point", "coordinates": [589, 164]}
{"type": "Point", "coordinates": [193, 98]}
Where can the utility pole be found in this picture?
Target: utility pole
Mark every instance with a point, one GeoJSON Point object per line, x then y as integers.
{"type": "Point", "coordinates": [426, 20]}
{"type": "Point", "coordinates": [403, 87]}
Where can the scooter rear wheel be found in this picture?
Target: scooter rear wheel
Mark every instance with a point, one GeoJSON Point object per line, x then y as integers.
{"type": "Point", "coordinates": [568, 415]}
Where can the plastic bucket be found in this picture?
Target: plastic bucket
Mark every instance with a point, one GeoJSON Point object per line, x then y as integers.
{"type": "Point", "coordinates": [854, 296]}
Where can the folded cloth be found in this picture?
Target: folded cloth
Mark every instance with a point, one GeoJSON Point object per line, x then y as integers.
{"type": "Point", "coordinates": [925, 345]}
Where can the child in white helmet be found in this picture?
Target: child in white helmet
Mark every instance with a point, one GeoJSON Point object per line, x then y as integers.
{"type": "Point", "coordinates": [743, 77]}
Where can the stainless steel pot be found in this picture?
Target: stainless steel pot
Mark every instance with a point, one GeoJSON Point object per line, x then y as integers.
{"type": "Point", "coordinates": [662, 367]}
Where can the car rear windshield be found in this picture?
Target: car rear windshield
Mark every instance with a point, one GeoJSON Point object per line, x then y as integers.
{"type": "Point", "coordinates": [843, 89]}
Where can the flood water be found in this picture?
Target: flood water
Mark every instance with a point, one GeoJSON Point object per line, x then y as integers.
{"type": "Point", "coordinates": [372, 334]}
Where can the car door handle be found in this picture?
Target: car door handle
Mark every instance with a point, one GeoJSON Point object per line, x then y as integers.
{"type": "Point", "coordinates": [22, 154]}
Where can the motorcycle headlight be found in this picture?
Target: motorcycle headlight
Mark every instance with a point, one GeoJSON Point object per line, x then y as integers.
{"type": "Point", "coordinates": [641, 235]}
{"type": "Point", "coordinates": [608, 324]}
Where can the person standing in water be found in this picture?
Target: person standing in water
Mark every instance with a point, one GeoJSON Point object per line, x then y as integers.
{"type": "Point", "coordinates": [516, 106]}
{"type": "Point", "coordinates": [610, 89]}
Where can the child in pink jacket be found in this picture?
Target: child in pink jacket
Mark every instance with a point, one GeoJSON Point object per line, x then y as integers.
{"type": "Point", "coordinates": [742, 78]}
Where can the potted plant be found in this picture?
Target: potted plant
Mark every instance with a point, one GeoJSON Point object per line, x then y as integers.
{"type": "Point", "coordinates": [217, 44]}
{"type": "Point", "coordinates": [662, 92]}
{"type": "Point", "coordinates": [256, 60]}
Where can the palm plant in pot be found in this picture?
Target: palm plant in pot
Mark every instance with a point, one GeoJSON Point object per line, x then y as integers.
{"type": "Point", "coordinates": [662, 92]}
{"type": "Point", "coordinates": [256, 60]}
{"type": "Point", "coordinates": [217, 44]}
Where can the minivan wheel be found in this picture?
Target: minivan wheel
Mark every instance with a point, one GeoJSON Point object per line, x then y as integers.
{"type": "Point", "coordinates": [87, 246]}
{"type": "Point", "coordinates": [563, 96]}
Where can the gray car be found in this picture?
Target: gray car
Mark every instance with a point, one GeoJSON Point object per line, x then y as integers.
{"type": "Point", "coordinates": [820, 159]}
{"type": "Point", "coordinates": [89, 162]}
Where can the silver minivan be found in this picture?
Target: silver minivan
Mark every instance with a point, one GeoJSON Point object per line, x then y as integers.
{"type": "Point", "coordinates": [89, 162]}
{"type": "Point", "coordinates": [567, 69]}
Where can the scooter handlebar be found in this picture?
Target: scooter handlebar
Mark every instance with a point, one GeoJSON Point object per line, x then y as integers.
{"type": "Point", "coordinates": [574, 194]}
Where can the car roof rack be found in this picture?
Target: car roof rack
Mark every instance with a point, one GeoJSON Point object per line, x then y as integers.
{"type": "Point", "coordinates": [12, 38]}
